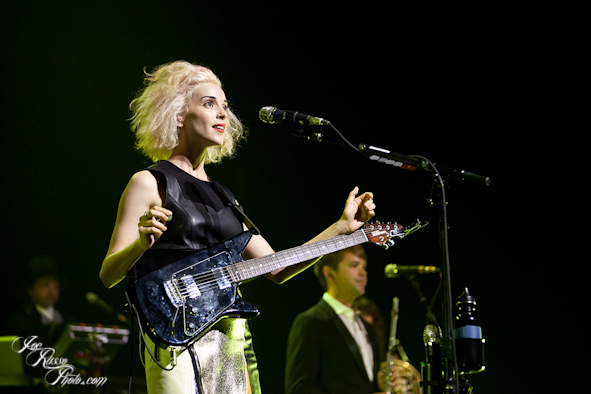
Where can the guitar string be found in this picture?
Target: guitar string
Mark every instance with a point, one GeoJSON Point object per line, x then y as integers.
{"type": "Point", "coordinates": [207, 280]}
{"type": "Point", "coordinates": [205, 283]}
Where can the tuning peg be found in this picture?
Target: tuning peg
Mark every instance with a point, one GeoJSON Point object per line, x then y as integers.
{"type": "Point", "coordinates": [387, 244]}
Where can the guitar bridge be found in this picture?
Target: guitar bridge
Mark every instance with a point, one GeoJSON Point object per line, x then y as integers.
{"type": "Point", "coordinates": [178, 290]}
{"type": "Point", "coordinates": [172, 292]}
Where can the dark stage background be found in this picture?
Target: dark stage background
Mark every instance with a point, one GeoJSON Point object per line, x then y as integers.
{"type": "Point", "coordinates": [451, 86]}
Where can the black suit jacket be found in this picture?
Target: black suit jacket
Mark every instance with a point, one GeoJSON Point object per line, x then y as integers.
{"type": "Point", "coordinates": [26, 322]}
{"type": "Point", "coordinates": [323, 357]}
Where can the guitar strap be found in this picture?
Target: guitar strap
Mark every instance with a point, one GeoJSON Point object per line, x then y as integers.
{"type": "Point", "coordinates": [231, 200]}
{"type": "Point", "coordinates": [249, 223]}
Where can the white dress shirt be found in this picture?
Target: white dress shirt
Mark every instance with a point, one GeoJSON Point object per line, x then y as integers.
{"type": "Point", "coordinates": [49, 315]}
{"type": "Point", "coordinates": [355, 326]}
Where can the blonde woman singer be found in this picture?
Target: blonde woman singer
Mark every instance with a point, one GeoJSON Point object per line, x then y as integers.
{"type": "Point", "coordinates": [182, 122]}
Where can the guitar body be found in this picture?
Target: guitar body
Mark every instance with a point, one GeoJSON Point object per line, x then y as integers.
{"type": "Point", "coordinates": [178, 302]}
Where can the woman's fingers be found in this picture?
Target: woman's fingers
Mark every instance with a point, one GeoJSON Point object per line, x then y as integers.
{"type": "Point", "coordinates": [161, 214]}
{"type": "Point", "coordinates": [152, 224]}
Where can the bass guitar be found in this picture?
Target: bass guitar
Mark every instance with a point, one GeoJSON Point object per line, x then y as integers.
{"type": "Point", "coordinates": [178, 302]}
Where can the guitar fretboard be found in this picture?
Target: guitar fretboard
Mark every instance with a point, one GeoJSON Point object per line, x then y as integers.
{"type": "Point", "coordinates": [263, 265]}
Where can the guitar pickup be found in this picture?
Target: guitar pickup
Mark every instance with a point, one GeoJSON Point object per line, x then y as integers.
{"type": "Point", "coordinates": [221, 278]}
{"type": "Point", "coordinates": [192, 291]}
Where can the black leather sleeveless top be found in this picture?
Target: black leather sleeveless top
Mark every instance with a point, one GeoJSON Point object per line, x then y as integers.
{"type": "Point", "coordinates": [203, 213]}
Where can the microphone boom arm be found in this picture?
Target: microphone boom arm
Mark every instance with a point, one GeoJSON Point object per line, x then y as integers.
{"type": "Point", "coordinates": [412, 163]}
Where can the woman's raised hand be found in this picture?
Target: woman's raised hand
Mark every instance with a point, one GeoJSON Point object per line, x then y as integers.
{"type": "Point", "coordinates": [358, 209]}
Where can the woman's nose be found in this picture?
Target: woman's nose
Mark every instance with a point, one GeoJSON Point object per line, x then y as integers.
{"type": "Point", "coordinates": [222, 114]}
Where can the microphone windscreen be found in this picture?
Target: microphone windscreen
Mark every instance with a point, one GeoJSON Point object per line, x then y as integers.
{"type": "Point", "coordinates": [391, 271]}
{"type": "Point", "coordinates": [431, 335]}
{"type": "Point", "coordinates": [266, 114]}
{"type": "Point", "coordinates": [91, 297]}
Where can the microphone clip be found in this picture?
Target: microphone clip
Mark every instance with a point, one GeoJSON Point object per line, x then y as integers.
{"type": "Point", "coordinates": [307, 134]}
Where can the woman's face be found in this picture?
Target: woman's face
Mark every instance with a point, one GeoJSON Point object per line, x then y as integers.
{"type": "Point", "coordinates": [205, 122]}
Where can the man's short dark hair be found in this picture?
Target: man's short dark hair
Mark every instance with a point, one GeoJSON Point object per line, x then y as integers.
{"type": "Point", "coordinates": [41, 267]}
{"type": "Point", "coordinates": [333, 259]}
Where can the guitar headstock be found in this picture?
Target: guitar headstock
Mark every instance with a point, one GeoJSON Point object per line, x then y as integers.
{"type": "Point", "coordinates": [384, 233]}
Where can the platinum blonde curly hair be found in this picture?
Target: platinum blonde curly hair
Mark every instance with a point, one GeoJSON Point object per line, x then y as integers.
{"type": "Point", "coordinates": [165, 98]}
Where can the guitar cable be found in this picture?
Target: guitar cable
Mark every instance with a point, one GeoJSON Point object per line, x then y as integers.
{"type": "Point", "coordinates": [145, 343]}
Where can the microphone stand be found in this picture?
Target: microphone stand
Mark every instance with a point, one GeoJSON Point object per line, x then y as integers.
{"type": "Point", "coordinates": [430, 316]}
{"type": "Point", "coordinates": [451, 373]}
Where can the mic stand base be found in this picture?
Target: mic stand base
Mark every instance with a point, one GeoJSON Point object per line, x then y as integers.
{"type": "Point", "coordinates": [465, 387]}
{"type": "Point", "coordinates": [437, 386]}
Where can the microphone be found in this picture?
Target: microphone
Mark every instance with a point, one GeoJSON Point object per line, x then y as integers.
{"type": "Point", "coordinates": [93, 299]}
{"type": "Point", "coordinates": [394, 271]}
{"type": "Point", "coordinates": [274, 115]}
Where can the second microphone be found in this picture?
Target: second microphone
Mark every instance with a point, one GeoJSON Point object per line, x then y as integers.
{"type": "Point", "coordinates": [395, 270]}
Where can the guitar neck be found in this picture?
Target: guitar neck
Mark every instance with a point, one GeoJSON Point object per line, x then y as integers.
{"type": "Point", "coordinates": [262, 265]}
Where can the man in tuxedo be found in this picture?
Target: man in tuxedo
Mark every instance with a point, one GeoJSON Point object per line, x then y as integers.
{"type": "Point", "coordinates": [39, 316]}
{"type": "Point", "coordinates": [330, 348]}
